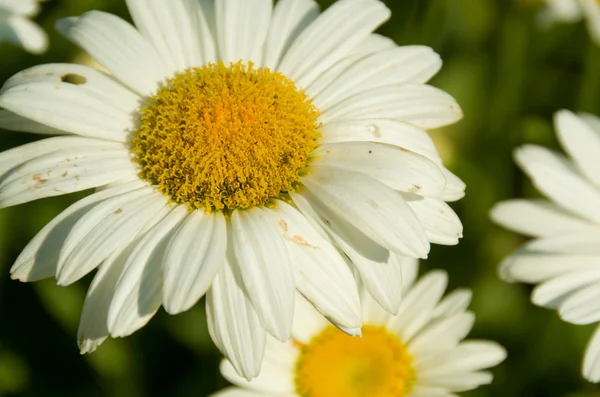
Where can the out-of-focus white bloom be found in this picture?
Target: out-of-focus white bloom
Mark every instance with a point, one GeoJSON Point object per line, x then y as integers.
{"type": "Point", "coordinates": [574, 11]}
{"type": "Point", "coordinates": [563, 258]}
{"type": "Point", "coordinates": [17, 28]}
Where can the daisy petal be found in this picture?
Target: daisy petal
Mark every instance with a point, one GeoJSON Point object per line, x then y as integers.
{"type": "Point", "coordinates": [409, 64]}
{"type": "Point", "coordinates": [242, 27]}
{"type": "Point", "coordinates": [266, 268]}
{"type": "Point", "coordinates": [119, 47]}
{"type": "Point", "coordinates": [76, 110]}
{"type": "Point", "coordinates": [330, 37]}
{"type": "Point", "coordinates": [395, 167]}
{"type": "Point", "coordinates": [27, 34]}
{"type": "Point", "coordinates": [379, 271]}
{"type": "Point", "coordinates": [472, 355]}
{"type": "Point", "coordinates": [581, 141]}
{"type": "Point", "coordinates": [391, 132]}
{"type": "Point", "coordinates": [110, 225]}
{"type": "Point", "coordinates": [551, 292]}
{"type": "Point", "coordinates": [373, 208]}
{"type": "Point", "coordinates": [171, 28]}
{"type": "Point", "coordinates": [383, 280]}
{"type": "Point", "coordinates": [536, 218]}
{"type": "Point", "coordinates": [193, 257]}
{"type": "Point", "coordinates": [371, 44]}
{"type": "Point", "coordinates": [13, 122]}
{"type": "Point", "coordinates": [137, 294]}
{"type": "Point", "coordinates": [576, 243]}
{"type": "Point", "coordinates": [39, 259]}
{"type": "Point", "coordinates": [84, 78]}
{"type": "Point", "coordinates": [290, 18]}
{"type": "Point", "coordinates": [93, 326]}
{"type": "Point", "coordinates": [65, 171]}
{"type": "Point", "coordinates": [440, 222]}
{"type": "Point", "coordinates": [321, 274]}
{"type": "Point", "coordinates": [235, 392]}
{"type": "Point", "coordinates": [454, 303]}
{"type": "Point", "coordinates": [233, 323]}
{"type": "Point", "coordinates": [581, 307]}
{"type": "Point", "coordinates": [424, 106]}
{"type": "Point", "coordinates": [554, 176]}
{"type": "Point", "coordinates": [455, 188]}
{"type": "Point", "coordinates": [12, 158]}
{"type": "Point", "coordinates": [443, 334]}
{"type": "Point", "coordinates": [280, 360]}
{"type": "Point", "coordinates": [22, 7]}
{"type": "Point", "coordinates": [591, 361]}
{"type": "Point", "coordinates": [533, 267]}
{"type": "Point", "coordinates": [418, 305]}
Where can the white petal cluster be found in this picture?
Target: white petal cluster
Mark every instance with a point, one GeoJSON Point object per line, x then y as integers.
{"type": "Point", "coordinates": [563, 258]}
{"type": "Point", "coordinates": [433, 328]}
{"type": "Point", "coordinates": [376, 191]}
{"type": "Point", "coordinates": [16, 26]}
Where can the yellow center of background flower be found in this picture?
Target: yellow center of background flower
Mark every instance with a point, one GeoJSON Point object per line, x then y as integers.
{"type": "Point", "coordinates": [225, 137]}
{"type": "Point", "coordinates": [334, 364]}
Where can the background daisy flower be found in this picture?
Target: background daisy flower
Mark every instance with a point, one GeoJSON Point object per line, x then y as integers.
{"type": "Point", "coordinates": [244, 151]}
{"type": "Point", "coordinates": [574, 11]}
{"type": "Point", "coordinates": [17, 28]}
{"type": "Point", "coordinates": [419, 352]}
{"type": "Point", "coordinates": [563, 257]}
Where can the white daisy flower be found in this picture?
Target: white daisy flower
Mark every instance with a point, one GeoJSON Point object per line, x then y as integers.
{"type": "Point", "coordinates": [17, 28]}
{"type": "Point", "coordinates": [241, 150]}
{"type": "Point", "coordinates": [564, 256]}
{"type": "Point", "coordinates": [570, 11]}
{"type": "Point", "coordinates": [418, 353]}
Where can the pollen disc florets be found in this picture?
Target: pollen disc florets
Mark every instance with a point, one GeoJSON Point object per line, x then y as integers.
{"type": "Point", "coordinates": [335, 364]}
{"type": "Point", "coordinates": [224, 137]}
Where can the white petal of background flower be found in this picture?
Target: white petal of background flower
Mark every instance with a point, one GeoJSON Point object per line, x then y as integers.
{"type": "Point", "coordinates": [17, 28]}
{"type": "Point", "coordinates": [537, 218]}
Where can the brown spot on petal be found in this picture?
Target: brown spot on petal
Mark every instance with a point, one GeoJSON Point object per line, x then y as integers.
{"type": "Point", "coordinates": [39, 179]}
{"type": "Point", "coordinates": [283, 225]}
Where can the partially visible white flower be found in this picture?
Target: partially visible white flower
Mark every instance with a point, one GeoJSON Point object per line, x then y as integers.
{"type": "Point", "coordinates": [418, 353]}
{"type": "Point", "coordinates": [17, 28]}
{"type": "Point", "coordinates": [564, 256]}
{"type": "Point", "coordinates": [570, 11]}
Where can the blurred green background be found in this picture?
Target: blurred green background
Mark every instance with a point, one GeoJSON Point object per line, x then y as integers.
{"type": "Point", "coordinates": [509, 74]}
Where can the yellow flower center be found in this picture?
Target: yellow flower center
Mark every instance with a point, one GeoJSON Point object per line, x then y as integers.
{"type": "Point", "coordinates": [334, 364]}
{"type": "Point", "coordinates": [224, 137]}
